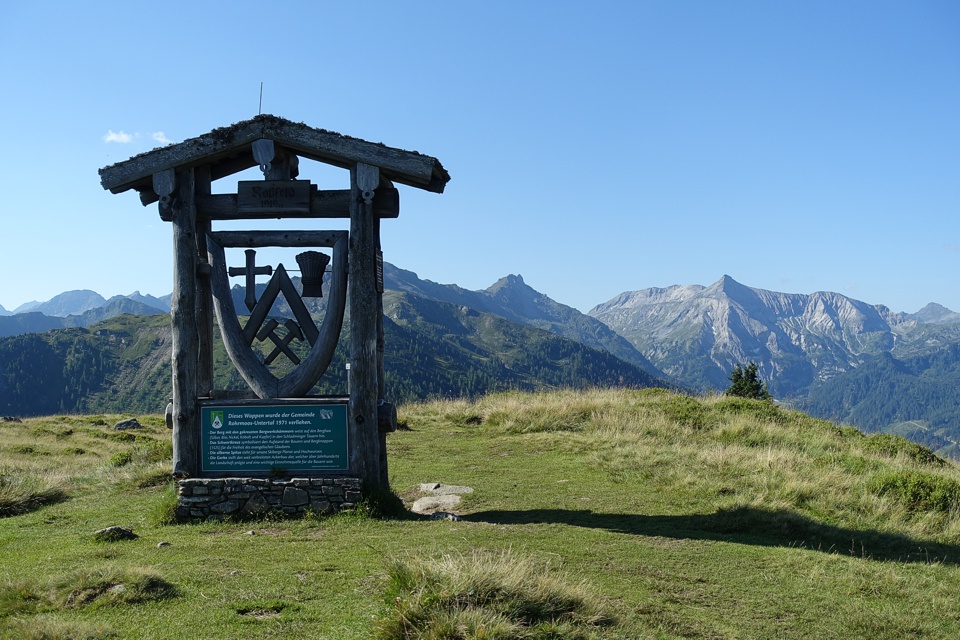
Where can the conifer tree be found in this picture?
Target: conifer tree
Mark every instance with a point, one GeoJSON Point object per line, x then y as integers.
{"type": "Point", "coordinates": [746, 383]}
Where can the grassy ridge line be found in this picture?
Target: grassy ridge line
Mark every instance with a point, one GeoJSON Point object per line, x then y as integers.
{"type": "Point", "coordinates": [686, 517]}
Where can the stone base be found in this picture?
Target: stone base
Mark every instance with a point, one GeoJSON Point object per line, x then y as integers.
{"type": "Point", "coordinates": [216, 498]}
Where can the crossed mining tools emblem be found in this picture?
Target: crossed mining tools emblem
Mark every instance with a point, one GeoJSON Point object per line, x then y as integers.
{"type": "Point", "coordinates": [282, 334]}
{"type": "Point", "coordinates": [312, 265]}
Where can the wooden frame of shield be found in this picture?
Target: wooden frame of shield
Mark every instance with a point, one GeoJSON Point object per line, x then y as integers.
{"type": "Point", "coordinates": [237, 340]}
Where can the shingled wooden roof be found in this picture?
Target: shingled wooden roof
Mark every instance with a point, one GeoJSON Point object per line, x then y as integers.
{"type": "Point", "coordinates": [228, 150]}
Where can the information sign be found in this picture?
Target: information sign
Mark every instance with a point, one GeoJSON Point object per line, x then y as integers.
{"type": "Point", "coordinates": [270, 438]}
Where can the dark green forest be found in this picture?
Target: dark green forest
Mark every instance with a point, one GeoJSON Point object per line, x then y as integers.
{"type": "Point", "coordinates": [435, 350]}
{"type": "Point", "coordinates": [916, 397]}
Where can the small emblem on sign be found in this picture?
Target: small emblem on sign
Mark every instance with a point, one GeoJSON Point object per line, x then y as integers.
{"type": "Point", "coordinates": [217, 421]}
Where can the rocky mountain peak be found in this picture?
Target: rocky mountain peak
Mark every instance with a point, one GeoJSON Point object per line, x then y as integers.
{"type": "Point", "coordinates": [936, 314]}
{"type": "Point", "coordinates": [795, 338]}
{"type": "Point", "coordinates": [68, 303]}
{"type": "Point", "coordinates": [510, 281]}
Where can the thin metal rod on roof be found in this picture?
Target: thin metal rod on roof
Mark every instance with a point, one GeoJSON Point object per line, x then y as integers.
{"type": "Point", "coordinates": [260, 108]}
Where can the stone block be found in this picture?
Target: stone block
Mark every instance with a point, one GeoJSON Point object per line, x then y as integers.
{"type": "Point", "coordinates": [227, 506]}
{"type": "Point", "coordinates": [257, 505]}
{"type": "Point", "coordinates": [321, 506]}
{"type": "Point", "coordinates": [201, 490]}
{"type": "Point", "coordinates": [294, 497]}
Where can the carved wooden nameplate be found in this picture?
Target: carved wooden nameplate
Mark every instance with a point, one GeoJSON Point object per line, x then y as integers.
{"type": "Point", "coordinates": [273, 196]}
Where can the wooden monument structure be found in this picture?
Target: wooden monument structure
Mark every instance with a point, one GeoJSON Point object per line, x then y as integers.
{"type": "Point", "coordinates": [178, 177]}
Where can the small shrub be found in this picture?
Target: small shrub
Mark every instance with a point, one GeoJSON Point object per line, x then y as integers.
{"type": "Point", "coordinates": [684, 410]}
{"type": "Point", "coordinates": [919, 490]}
{"type": "Point", "coordinates": [892, 446]}
{"type": "Point", "coordinates": [28, 450]}
{"type": "Point", "coordinates": [121, 459]}
{"type": "Point", "coordinates": [144, 477]}
{"type": "Point", "coordinates": [164, 510]}
{"type": "Point", "coordinates": [154, 451]}
{"type": "Point", "coordinates": [850, 432]}
{"type": "Point", "coordinates": [759, 409]}
{"type": "Point", "coordinates": [56, 433]}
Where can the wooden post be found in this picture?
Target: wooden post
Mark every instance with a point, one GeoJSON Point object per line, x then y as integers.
{"type": "Point", "coordinates": [204, 295]}
{"type": "Point", "coordinates": [183, 314]}
{"type": "Point", "coordinates": [381, 343]}
{"type": "Point", "coordinates": [364, 386]}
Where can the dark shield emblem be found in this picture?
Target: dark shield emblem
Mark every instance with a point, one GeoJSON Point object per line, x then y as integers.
{"type": "Point", "coordinates": [238, 340]}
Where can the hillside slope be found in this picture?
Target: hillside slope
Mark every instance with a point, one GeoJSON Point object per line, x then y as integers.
{"type": "Point", "coordinates": [677, 517]}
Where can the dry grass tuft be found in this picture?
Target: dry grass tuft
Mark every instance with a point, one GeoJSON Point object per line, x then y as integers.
{"type": "Point", "coordinates": [488, 595]}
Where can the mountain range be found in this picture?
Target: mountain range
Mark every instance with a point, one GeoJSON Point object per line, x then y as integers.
{"type": "Point", "coordinates": [828, 354]}
{"type": "Point", "coordinates": [796, 339]}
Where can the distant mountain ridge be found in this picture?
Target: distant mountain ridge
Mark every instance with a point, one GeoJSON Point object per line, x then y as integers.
{"type": "Point", "coordinates": [697, 334]}
{"type": "Point", "coordinates": [78, 302]}
{"type": "Point", "coordinates": [37, 322]}
{"type": "Point", "coordinates": [511, 298]}
{"type": "Point", "coordinates": [828, 354]}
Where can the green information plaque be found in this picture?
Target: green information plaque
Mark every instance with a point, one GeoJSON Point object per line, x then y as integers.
{"type": "Point", "coordinates": [262, 438]}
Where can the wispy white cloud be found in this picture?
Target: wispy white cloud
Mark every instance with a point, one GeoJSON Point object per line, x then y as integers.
{"type": "Point", "coordinates": [160, 137]}
{"type": "Point", "coordinates": [118, 136]}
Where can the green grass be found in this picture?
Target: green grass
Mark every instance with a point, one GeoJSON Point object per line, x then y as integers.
{"type": "Point", "coordinates": [596, 514]}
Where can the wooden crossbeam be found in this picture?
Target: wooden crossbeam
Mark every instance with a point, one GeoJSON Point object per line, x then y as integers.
{"type": "Point", "coordinates": [324, 203]}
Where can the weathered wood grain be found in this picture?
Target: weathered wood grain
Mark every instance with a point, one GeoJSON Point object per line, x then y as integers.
{"type": "Point", "coordinates": [223, 147]}
{"type": "Point", "coordinates": [365, 448]}
{"type": "Point", "coordinates": [204, 300]}
{"type": "Point", "coordinates": [324, 203]}
{"type": "Point", "coordinates": [278, 238]}
{"type": "Point", "coordinates": [183, 314]}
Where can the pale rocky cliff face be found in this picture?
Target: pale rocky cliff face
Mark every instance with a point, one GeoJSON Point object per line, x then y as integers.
{"type": "Point", "coordinates": [698, 333]}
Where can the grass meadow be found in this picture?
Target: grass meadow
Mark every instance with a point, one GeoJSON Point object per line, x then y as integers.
{"type": "Point", "coordinates": [595, 514]}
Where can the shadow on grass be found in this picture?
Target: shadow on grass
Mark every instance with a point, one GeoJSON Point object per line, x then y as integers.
{"type": "Point", "coordinates": [742, 525]}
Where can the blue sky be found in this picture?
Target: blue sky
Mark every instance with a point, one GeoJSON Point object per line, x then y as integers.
{"type": "Point", "coordinates": [594, 147]}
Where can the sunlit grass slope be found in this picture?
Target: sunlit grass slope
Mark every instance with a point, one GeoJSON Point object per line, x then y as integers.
{"type": "Point", "coordinates": [595, 514]}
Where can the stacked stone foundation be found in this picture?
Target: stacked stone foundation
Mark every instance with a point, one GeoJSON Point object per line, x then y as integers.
{"type": "Point", "coordinates": [218, 498]}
